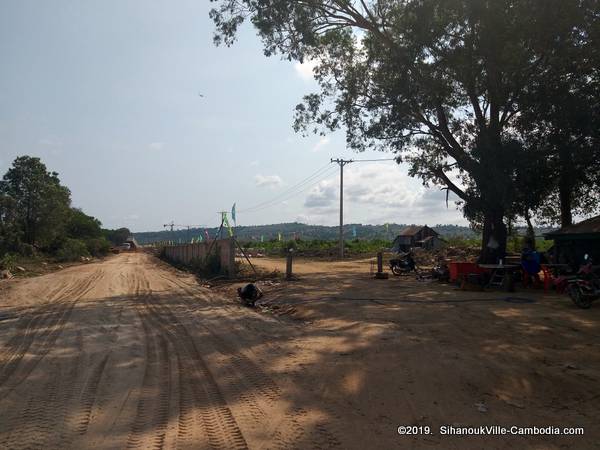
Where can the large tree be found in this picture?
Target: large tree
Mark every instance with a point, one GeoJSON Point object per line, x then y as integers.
{"type": "Point", "coordinates": [37, 205]}
{"type": "Point", "coordinates": [561, 118]}
{"type": "Point", "coordinates": [439, 82]}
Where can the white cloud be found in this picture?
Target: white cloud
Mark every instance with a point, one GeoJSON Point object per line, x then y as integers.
{"type": "Point", "coordinates": [378, 193]}
{"type": "Point", "coordinates": [305, 70]}
{"type": "Point", "coordinates": [156, 145]}
{"type": "Point", "coordinates": [271, 181]}
{"type": "Point", "coordinates": [323, 195]}
{"type": "Point", "coordinates": [323, 141]}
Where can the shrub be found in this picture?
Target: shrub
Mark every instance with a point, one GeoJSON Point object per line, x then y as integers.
{"type": "Point", "coordinates": [8, 262]}
{"type": "Point", "coordinates": [97, 246]}
{"type": "Point", "coordinates": [71, 250]}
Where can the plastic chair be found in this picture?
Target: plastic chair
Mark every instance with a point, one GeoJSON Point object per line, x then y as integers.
{"type": "Point", "coordinates": [549, 279]}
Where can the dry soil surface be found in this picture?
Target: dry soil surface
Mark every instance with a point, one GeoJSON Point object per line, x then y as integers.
{"type": "Point", "coordinates": [129, 353]}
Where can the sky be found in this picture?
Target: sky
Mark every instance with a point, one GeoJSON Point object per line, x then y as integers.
{"type": "Point", "coordinates": [148, 122]}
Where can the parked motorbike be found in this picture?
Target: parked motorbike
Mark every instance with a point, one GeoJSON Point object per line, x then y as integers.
{"type": "Point", "coordinates": [403, 265]}
{"type": "Point", "coordinates": [584, 288]}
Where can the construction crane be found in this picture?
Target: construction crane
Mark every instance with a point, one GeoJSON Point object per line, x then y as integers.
{"type": "Point", "coordinates": [172, 225]}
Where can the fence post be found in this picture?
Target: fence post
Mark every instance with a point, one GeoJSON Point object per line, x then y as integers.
{"type": "Point", "coordinates": [380, 275]}
{"type": "Point", "coordinates": [231, 259]}
{"type": "Point", "coordinates": [288, 265]}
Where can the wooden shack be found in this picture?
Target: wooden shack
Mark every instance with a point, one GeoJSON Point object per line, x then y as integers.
{"type": "Point", "coordinates": [416, 236]}
{"type": "Point", "coordinates": [571, 243]}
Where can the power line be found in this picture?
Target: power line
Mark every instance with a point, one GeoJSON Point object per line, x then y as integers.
{"type": "Point", "coordinates": [308, 179]}
{"type": "Point", "coordinates": [280, 199]}
{"type": "Point", "coordinates": [372, 160]}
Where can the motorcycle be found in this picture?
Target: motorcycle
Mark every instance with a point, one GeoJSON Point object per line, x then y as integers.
{"type": "Point", "coordinates": [403, 265]}
{"type": "Point", "coordinates": [585, 287]}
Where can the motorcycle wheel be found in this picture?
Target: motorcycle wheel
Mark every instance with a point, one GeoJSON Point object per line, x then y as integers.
{"type": "Point", "coordinates": [579, 298]}
{"type": "Point", "coordinates": [396, 270]}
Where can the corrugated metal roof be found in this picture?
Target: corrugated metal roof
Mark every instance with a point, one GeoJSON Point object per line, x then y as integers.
{"type": "Point", "coordinates": [413, 229]}
{"type": "Point", "coordinates": [589, 226]}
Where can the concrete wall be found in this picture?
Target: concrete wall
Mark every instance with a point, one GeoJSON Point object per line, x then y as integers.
{"type": "Point", "coordinates": [184, 253]}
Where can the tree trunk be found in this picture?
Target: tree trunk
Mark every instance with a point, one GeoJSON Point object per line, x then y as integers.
{"type": "Point", "coordinates": [493, 244]}
{"type": "Point", "coordinates": [565, 186]}
{"type": "Point", "coordinates": [530, 231]}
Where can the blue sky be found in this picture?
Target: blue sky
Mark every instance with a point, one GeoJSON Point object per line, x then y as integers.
{"type": "Point", "coordinates": [107, 94]}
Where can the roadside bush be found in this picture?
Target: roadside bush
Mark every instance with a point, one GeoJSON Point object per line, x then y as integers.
{"type": "Point", "coordinates": [97, 246]}
{"type": "Point", "coordinates": [8, 262]}
{"type": "Point", "coordinates": [71, 250]}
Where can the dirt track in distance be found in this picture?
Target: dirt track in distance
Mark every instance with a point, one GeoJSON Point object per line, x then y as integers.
{"type": "Point", "coordinates": [129, 353]}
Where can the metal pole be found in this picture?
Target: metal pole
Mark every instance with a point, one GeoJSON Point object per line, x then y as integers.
{"type": "Point", "coordinates": [342, 163]}
{"type": "Point", "coordinates": [342, 210]}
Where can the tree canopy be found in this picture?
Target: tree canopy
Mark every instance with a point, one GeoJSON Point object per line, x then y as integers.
{"type": "Point", "coordinates": [36, 216]}
{"type": "Point", "coordinates": [39, 203]}
{"type": "Point", "coordinates": [442, 83]}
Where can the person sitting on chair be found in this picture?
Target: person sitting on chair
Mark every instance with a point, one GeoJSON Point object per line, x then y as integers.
{"type": "Point", "coordinates": [530, 261]}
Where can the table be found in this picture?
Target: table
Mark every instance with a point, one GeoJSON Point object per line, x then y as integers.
{"type": "Point", "coordinates": [501, 275]}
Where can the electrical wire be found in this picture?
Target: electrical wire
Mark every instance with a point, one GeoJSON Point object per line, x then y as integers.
{"type": "Point", "coordinates": [280, 199]}
{"type": "Point", "coordinates": [303, 185]}
{"type": "Point", "coordinates": [308, 179]}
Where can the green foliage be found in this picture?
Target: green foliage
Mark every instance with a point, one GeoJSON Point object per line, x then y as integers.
{"type": "Point", "coordinates": [319, 247]}
{"type": "Point", "coordinates": [71, 250]}
{"type": "Point", "coordinates": [250, 235]}
{"type": "Point", "coordinates": [39, 205]}
{"type": "Point", "coordinates": [118, 236]}
{"type": "Point", "coordinates": [439, 83]}
{"type": "Point", "coordinates": [8, 261]}
{"type": "Point", "coordinates": [36, 216]}
{"type": "Point", "coordinates": [82, 226]}
{"type": "Point", "coordinates": [97, 246]}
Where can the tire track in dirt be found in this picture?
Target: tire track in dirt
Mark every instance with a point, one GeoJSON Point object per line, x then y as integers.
{"type": "Point", "coordinates": [88, 396]}
{"type": "Point", "coordinates": [258, 378]}
{"type": "Point", "coordinates": [37, 334]}
{"type": "Point", "coordinates": [290, 431]}
{"type": "Point", "coordinates": [45, 413]}
{"type": "Point", "coordinates": [221, 428]}
{"type": "Point", "coordinates": [153, 405]}
{"type": "Point", "coordinates": [36, 418]}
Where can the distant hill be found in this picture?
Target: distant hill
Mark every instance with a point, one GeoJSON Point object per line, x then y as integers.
{"type": "Point", "coordinates": [301, 231]}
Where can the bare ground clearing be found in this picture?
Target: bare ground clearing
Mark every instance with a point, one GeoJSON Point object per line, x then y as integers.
{"type": "Point", "coordinates": [130, 353]}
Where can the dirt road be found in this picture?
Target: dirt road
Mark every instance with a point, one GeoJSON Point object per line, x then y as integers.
{"type": "Point", "coordinates": [129, 353]}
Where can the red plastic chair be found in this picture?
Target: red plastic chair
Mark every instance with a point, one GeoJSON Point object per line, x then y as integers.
{"type": "Point", "coordinates": [550, 280]}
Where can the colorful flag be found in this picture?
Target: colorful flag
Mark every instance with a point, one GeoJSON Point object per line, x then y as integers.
{"type": "Point", "coordinates": [226, 223]}
{"type": "Point", "coordinates": [207, 236]}
{"type": "Point", "coordinates": [199, 239]}
{"type": "Point", "coordinates": [233, 215]}
{"type": "Point", "coordinates": [262, 238]}
{"type": "Point", "coordinates": [279, 235]}
{"type": "Point", "coordinates": [387, 227]}
{"type": "Point", "coordinates": [353, 231]}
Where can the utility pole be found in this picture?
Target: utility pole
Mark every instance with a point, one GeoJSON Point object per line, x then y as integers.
{"type": "Point", "coordinates": [342, 163]}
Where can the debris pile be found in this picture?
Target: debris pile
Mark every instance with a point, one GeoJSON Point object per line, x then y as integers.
{"type": "Point", "coordinates": [5, 275]}
{"type": "Point", "coordinates": [432, 258]}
